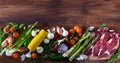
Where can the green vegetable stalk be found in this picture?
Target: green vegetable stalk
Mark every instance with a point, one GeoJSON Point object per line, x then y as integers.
{"type": "Point", "coordinates": [23, 37]}
{"type": "Point", "coordinates": [115, 57]}
{"type": "Point", "coordinates": [81, 47]}
{"type": "Point", "coordinates": [2, 37]}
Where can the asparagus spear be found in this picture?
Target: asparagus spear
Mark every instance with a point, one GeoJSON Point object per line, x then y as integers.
{"type": "Point", "coordinates": [1, 38]}
{"type": "Point", "coordinates": [81, 48]}
{"type": "Point", "coordinates": [23, 37]}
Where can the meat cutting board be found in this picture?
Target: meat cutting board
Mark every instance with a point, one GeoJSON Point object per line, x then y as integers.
{"type": "Point", "coordinates": [60, 12]}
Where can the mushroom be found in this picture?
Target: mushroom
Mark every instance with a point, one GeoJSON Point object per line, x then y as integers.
{"type": "Point", "coordinates": [28, 55]}
{"type": "Point", "coordinates": [40, 49]}
{"type": "Point", "coordinates": [50, 35]}
{"type": "Point", "coordinates": [65, 32]}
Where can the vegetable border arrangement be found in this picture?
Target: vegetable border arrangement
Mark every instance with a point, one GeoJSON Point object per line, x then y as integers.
{"type": "Point", "coordinates": [57, 42]}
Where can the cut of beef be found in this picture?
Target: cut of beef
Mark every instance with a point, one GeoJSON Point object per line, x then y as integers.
{"type": "Point", "coordinates": [105, 47]}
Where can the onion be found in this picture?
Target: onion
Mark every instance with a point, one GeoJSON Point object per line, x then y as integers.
{"type": "Point", "coordinates": [62, 48]}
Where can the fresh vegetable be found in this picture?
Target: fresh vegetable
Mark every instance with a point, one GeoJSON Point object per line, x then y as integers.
{"type": "Point", "coordinates": [50, 35]}
{"type": "Point", "coordinates": [40, 49]}
{"type": "Point", "coordinates": [2, 37]}
{"type": "Point", "coordinates": [72, 42]}
{"type": "Point", "coordinates": [16, 55]}
{"type": "Point", "coordinates": [28, 55]}
{"type": "Point", "coordinates": [22, 49]}
{"type": "Point", "coordinates": [72, 30]}
{"type": "Point", "coordinates": [81, 48]}
{"type": "Point", "coordinates": [115, 57]}
{"type": "Point", "coordinates": [46, 41]}
{"type": "Point", "coordinates": [34, 55]}
{"type": "Point", "coordinates": [13, 29]}
{"type": "Point", "coordinates": [78, 29]}
{"type": "Point", "coordinates": [7, 29]}
{"type": "Point", "coordinates": [16, 34]}
{"type": "Point", "coordinates": [9, 52]}
{"type": "Point", "coordinates": [65, 32]}
{"type": "Point", "coordinates": [62, 48]}
{"type": "Point", "coordinates": [23, 37]}
{"type": "Point", "coordinates": [56, 56]}
{"type": "Point", "coordinates": [37, 40]}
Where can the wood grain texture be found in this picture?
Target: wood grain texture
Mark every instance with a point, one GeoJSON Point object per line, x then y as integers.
{"type": "Point", "coordinates": [60, 12]}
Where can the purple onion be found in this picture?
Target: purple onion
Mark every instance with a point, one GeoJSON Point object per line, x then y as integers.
{"type": "Point", "coordinates": [62, 48]}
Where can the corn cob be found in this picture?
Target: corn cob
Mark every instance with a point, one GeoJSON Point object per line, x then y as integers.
{"type": "Point", "coordinates": [37, 40]}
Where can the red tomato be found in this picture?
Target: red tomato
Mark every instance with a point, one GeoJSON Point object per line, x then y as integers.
{"type": "Point", "coordinates": [6, 29]}
{"type": "Point", "coordinates": [34, 55]}
{"type": "Point", "coordinates": [16, 55]}
{"type": "Point", "coordinates": [12, 29]}
{"type": "Point", "coordinates": [15, 34]}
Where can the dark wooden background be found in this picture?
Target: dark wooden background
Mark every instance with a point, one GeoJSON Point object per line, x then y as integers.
{"type": "Point", "coordinates": [60, 12]}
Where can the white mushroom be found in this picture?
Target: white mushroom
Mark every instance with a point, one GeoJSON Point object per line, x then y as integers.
{"type": "Point", "coordinates": [50, 35]}
{"type": "Point", "coordinates": [60, 41]}
{"type": "Point", "coordinates": [34, 32]}
{"type": "Point", "coordinates": [9, 52]}
{"type": "Point", "coordinates": [82, 57]}
{"type": "Point", "coordinates": [22, 57]}
{"type": "Point", "coordinates": [46, 41]}
{"type": "Point", "coordinates": [28, 55]}
{"type": "Point", "coordinates": [65, 32]}
{"type": "Point", "coordinates": [39, 49]}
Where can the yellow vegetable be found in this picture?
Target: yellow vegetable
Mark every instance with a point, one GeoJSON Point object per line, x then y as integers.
{"type": "Point", "coordinates": [37, 40]}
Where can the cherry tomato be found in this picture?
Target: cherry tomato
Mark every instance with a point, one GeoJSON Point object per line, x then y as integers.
{"type": "Point", "coordinates": [55, 48]}
{"type": "Point", "coordinates": [16, 55]}
{"type": "Point", "coordinates": [72, 42]}
{"type": "Point", "coordinates": [78, 29]}
{"type": "Point", "coordinates": [72, 31]}
{"type": "Point", "coordinates": [75, 38]}
{"type": "Point", "coordinates": [12, 29]}
{"type": "Point", "coordinates": [6, 29]}
{"type": "Point", "coordinates": [15, 34]}
{"type": "Point", "coordinates": [56, 35]}
{"type": "Point", "coordinates": [34, 55]}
